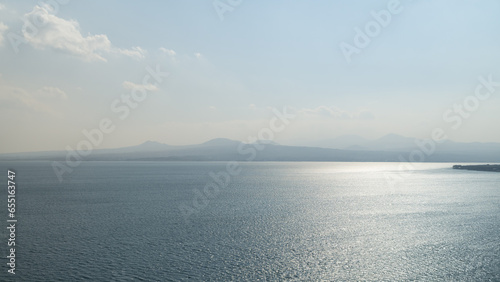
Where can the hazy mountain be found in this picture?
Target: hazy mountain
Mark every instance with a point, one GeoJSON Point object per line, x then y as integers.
{"type": "Point", "coordinates": [388, 148]}
{"type": "Point", "coordinates": [342, 142]}
{"type": "Point", "coordinates": [151, 146]}
{"type": "Point", "coordinates": [389, 142]}
{"type": "Point", "coordinates": [394, 142]}
{"type": "Point", "coordinates": [220, 142]}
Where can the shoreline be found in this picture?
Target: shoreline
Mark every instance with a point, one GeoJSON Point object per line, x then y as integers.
{"type": "Point", "coordinates": [487, 167]}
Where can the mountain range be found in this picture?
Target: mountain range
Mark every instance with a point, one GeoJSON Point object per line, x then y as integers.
{"type": "Point", "coordinates": [394, 142]}
{"type": "Point", "coordinates": [392, 148]}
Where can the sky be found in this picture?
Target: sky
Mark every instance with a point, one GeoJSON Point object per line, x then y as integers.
{"type": "Point", "coordinates": [184, 72]}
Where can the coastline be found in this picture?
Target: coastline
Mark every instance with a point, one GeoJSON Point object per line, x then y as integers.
{"type": "Point", "coordinates": [487, 167]}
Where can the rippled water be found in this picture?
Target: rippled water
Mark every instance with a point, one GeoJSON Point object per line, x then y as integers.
{"type": "Point", "coordinates": [117, 221]}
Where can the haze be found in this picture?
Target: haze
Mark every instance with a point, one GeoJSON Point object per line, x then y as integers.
{"type": "Point", "coordinates": [63, 70]}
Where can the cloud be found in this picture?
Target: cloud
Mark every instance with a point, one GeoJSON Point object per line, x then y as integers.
{"type": "Point", "coordinates": [323, 111]}
{"type": "Point", "coordinates": [32, 101]}
{"type": "Point", "coordinates": [169, 52]}
{"type": "Point", "coordinates": [366, 115]}
{"type": "Point", "coordinates": [130, 86]}
{"type": "Point", "coordinates": [2, 6]}
{"type": "Point", "coordinates": [136, 52]}
{"type": "Point", "coordinates": [335, 113]}
{"type": "Point", "coordinates": [197, 55]}
{"type": "Point", "coordinates": [51, 92]}
{"type": "Point", "coordinates": [3, 28]}
{"type": "Point", "coordinates": [44, 30]}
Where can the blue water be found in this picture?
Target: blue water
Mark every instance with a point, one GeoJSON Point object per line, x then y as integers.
{"type": "Point", "coordinates": [119, 221]}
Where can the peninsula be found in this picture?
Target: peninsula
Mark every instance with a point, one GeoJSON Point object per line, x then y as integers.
{"type": "Point", "coordinates": [487, 167]}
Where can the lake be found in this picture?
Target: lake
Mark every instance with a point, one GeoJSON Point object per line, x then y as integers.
{"type": "Point", "coordinates": [293, 221]}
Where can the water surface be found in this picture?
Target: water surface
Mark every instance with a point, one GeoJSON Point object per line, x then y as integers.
{"type": "Point", "coordinates": [115, 221]}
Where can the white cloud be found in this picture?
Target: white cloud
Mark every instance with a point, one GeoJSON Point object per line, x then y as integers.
{"type": "Point", "coordinates": [2, 6]}
{"type": "Point", "coordinates": [169, 52]}
{"type": "Point", "coordinates": [212, 108]}
{"type": "Point", "coordinates": [197, 55]}
{"type": "Point", "coordinates": [366, 115]}
{"type": "Point", "coordinates": [136, 52]}
{"type": "Point", "coordinates": [31, 101]}
{"type": "Point", "coordinates": [63, 35]}
{"type": "Point", "coordinates": [332, 112]}
{"type": "Point", "coordinates": [3, 28]}
{"type": "Point", "coordinates": [51, 92]}
{"type": "Point", "coordinates": [323, 111]}
{"type": "Point", "coordinates": [130, 86]}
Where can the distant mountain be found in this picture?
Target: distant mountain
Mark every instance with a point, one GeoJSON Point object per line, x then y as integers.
{"type": "Point", "coordinates": [342, 142]}
{"type": "Point", "coordinates": [152, 145]}
{"type": "Point", "coordinates": [394, 142]}
{"type": "Point", "coordinates": [391, 142]}
{"type": "Point", "coordinates": [220, 142]}
{"type": "Point", "coordinates": [353, 148]}
{"type": "Point", "coordinates": [229, 142]}
{"type": "Point", "coordinates": [146, 146]}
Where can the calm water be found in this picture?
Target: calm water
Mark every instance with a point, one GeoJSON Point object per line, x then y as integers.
{"type": "Point", "coordinates": [118, 221]}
